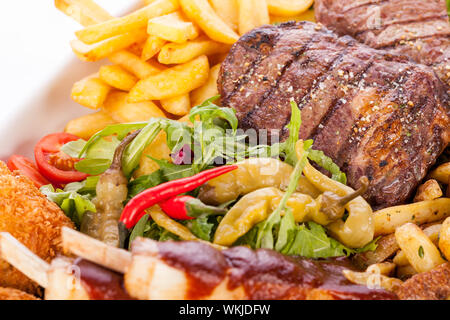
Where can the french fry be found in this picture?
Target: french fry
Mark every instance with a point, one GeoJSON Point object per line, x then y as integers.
{"type": "Point", "coordinates": [433, 232]}
{"type": "Point", "coordinates": [152, 47]}
{"type": "Point", "coordinates": [176, 53]}
{"type": "Point", "coordinates": [120, 110]}
{"type": "Point", "coordinates": [388, 219]}
{"type": "Point", "coordinates": [178, 106]}
{"type": "Point", "coordinates": [117, 77]}
{"type": "Point", "coordinates": [308, 15]}
{"type": "Point", "coordinates": [400, 259]}
{"type": "Point", "coordinates": [86, 12]}
{"type": "Point", "coordinates": [227, 11]}
{"type": "Point", "coordinates": [136, 48]}
{"type": "Point", "coordinates": [90, 92]}
{"type": "Point", "coordinates": [133, 64]}
{"type": "Point", "coordinates": [384, 268]}
{"type": "Point", "coordinates": [430, 190]}
{"type": "Point", "coordinates": [148, 1]}
{"type": "Point", "coordinates": [372, 280]}
{"type": "Point", "coordinates": [405, 272]}
{"type": "Point", "coordinates": [252, 14]}
{"type": "Point", "coordinates": [186, 119]}
{"type": "Point", "coordinates": [172, 82]}
{"type": "Point", "coordinates": [422, 254]}
{"type": "Point", "coordinates": [208, 90]}
{"type": "Point", "coordinates": [444, 239]}
{"type": "Point", "coordinates": [85, 126]}
{"type": "Point", "coordinates": [288, 8]}
{"type": "Point", "coordinates": [107, 47]}
{"type": "Point", "coordinates": [172, 27]}
{"type": "Point", "coordinates": [129, 23]}
{"type": "Point", "coordinates": [157, 149]}
{"type": "Point", "coordinates": [207, 19]}
{"type": "Point", "coordinates": [442, 173]}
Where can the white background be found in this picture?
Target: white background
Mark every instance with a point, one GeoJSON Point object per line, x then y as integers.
{"type": "Point", "coordinates": [37, 70]}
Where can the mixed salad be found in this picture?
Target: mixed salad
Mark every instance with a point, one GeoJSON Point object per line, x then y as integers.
{"type": "Point", "coordinates": [214, 188]}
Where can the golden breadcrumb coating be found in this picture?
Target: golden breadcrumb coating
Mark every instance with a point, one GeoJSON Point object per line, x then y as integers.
{"type": "Point", "coordinates": [14, 294]}
{"type": "Point", "coordinates": [33, 220]}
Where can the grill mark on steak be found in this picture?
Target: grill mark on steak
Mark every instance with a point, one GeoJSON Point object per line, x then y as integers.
{"type": "Point", "coordinates": [316, 84]}
{"type": "Point", "coordinates": [266, 75]}
{"type": "Point", "coordinates": [295, 56]}
{"type": "Point", "coordinates": [272, 97]}
{"type": "Point", "coordinates": [260, 45]}
{"type": "Point", "coordinates": [366, 122]}
{"type": "Point", "coordinates": [404, 145]}
{"type": "Point", "coordinates": [318, 129]}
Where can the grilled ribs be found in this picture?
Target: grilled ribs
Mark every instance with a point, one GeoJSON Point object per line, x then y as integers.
{"type": "Point", "coordinates": [414, 28]}
{"type": "Point", "coordinates": [374, 113]}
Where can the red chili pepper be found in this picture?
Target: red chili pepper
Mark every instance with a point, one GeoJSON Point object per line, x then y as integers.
{"type": "Point", "coordinates": [175, 207]}
{"type": "Point", "coordinates": [135, 208]}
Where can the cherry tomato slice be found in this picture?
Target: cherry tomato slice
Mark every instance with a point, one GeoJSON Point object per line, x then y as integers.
{"type": "Point", "coordinates": [54, 164]}
{"type": "Point", "coordinates": [27, 168]}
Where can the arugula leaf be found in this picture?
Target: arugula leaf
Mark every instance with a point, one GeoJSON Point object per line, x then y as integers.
{"type": "Point", "coordinates": [133, 152]}
{"type": "Point", "coordinates": [325, 162]}
{"type": "Point", "coordinates": [209, 112]}
{"type": "Point", "coordinates": [71, 202]}
{"type": "Point", "coordinates": [286, 233]}
{"type": "Point", "coordinates": [119, 130]}
{"type": "Point", "coordinates": [201, 228]}
{"type": "Point", "coordinates": [138, 230]}
{"type": "Point", "coordinates": [142, 183]}
{"type": "Point", "coordinates": [178, 134]}
{"type": "Point", "coordinates": [147, 228]}
{"type": "Point", "coordinates": [294, 131]}
{"type": "Point", "coordinates": [172, 171]}
{"type": "Point", "coordinates": [311, 241]}
{"type": "Point", "coordinates": [448, 7]}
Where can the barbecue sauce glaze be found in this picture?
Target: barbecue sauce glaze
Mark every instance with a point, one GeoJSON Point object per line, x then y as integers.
{"type": "Point", "coordinates": [264, 274]}
{"type": "Point", "coordinates": [101, 283]}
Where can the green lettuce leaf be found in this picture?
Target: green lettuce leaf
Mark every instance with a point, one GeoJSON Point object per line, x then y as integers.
{"type": "Point", "coordinates": [70, 201]}
{"type": "Point", "coordinates": [208, 112]}
{"type": "Point", "coordinates": [311, 241]}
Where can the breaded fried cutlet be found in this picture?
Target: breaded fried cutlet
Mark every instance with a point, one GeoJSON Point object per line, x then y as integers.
{"type": "Point", "coordinates": [431, 285]}
{"type": "Point", "coordinates": [14, 294]}
{"type": "Point", "coordinates": [32, 219]}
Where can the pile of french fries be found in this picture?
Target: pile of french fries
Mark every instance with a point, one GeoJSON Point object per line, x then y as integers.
{"type": "Point", "coordinates": [164, 58]}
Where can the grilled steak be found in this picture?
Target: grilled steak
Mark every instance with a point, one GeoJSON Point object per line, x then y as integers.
{"type": "Point", "coordinates": [415, 28]}
{"type": "Point", "coordinates": [374, 113]}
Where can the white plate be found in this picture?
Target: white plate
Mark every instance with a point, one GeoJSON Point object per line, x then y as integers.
{"type": "Point", "coordinates": [38, 69]}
